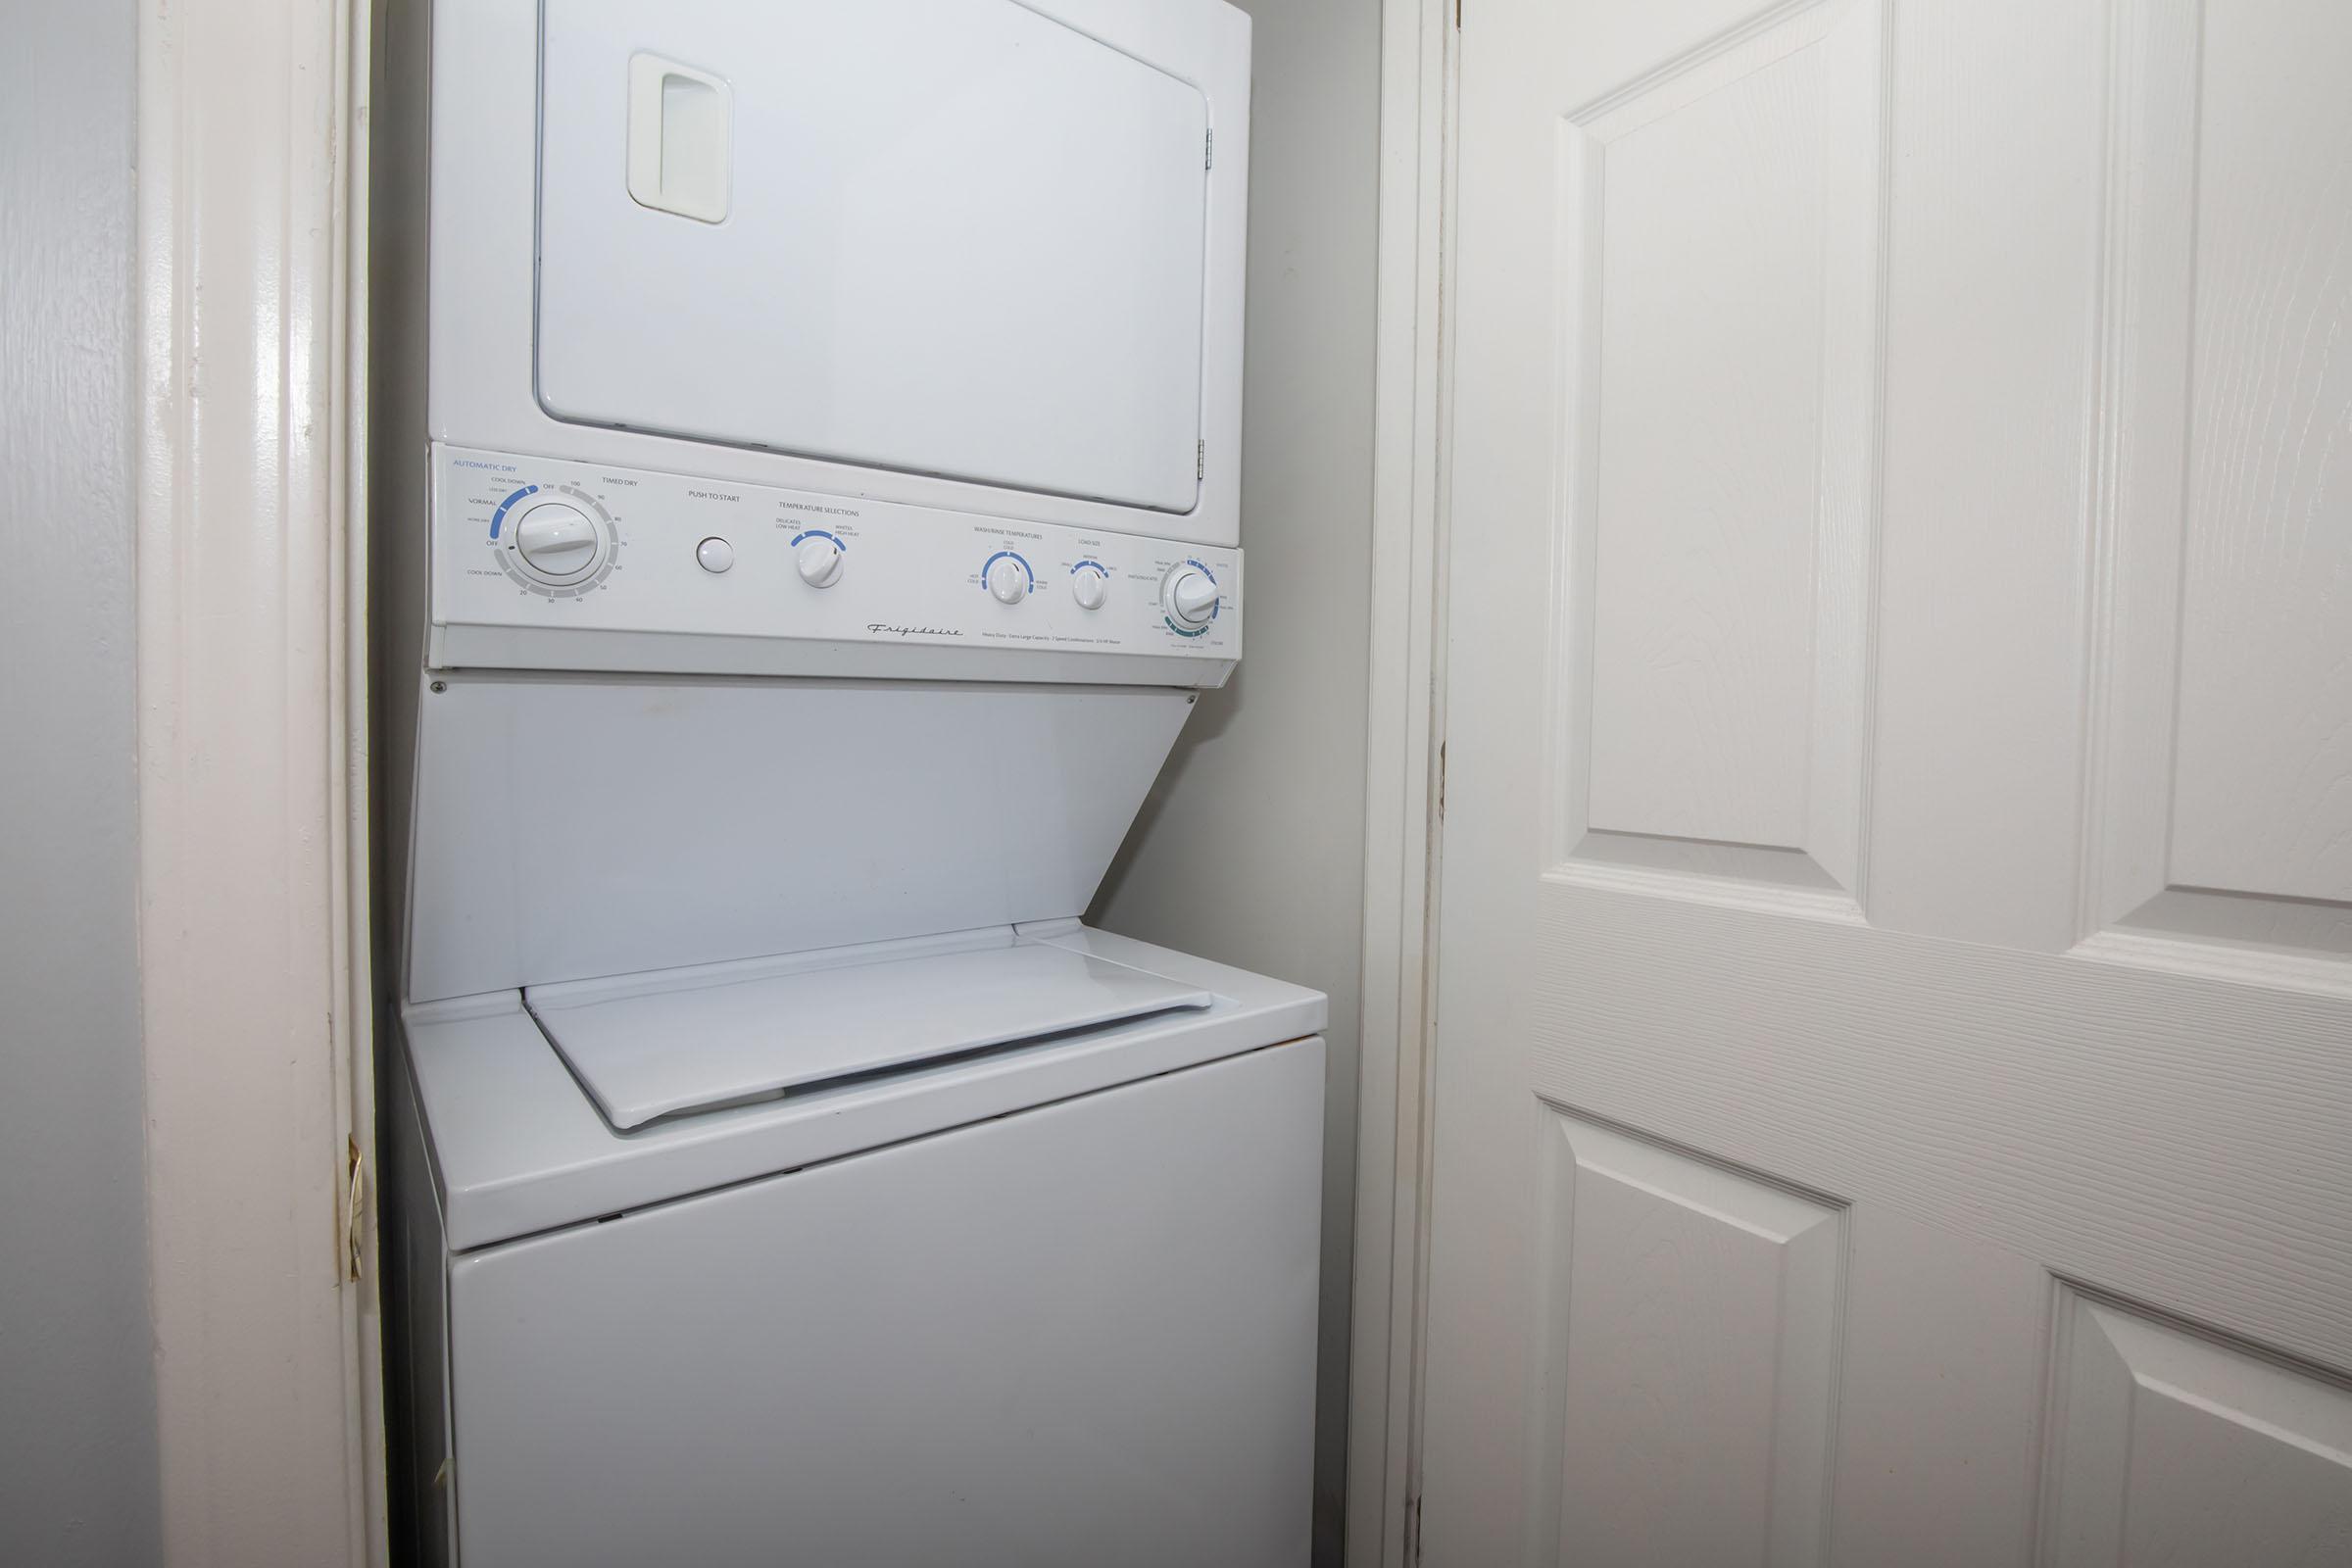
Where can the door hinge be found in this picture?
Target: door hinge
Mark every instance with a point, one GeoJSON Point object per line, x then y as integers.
{"type": "Point", "coordinates": [1200, 460]}
{"type": "Point", "coordinates": [1412, 1527]}
{"type": "Point", "coordinates": [1208, 151]}
{"type": "Point", "coordinates": [1457, 16]}
{"type": "Point", "coordinates": [1441, 781]}
{"type": "Point", "coordinates": [354, 1206]}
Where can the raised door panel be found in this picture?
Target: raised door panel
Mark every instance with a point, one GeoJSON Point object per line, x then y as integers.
{"type": "Point", "coordinates": [2171, 1448]}
{"type": "Point", "coordinates": [2264, 789]}
{"type": "Point", "coordinates": [1690, 1318]}
{"type": "Point", "coordinates": [2219, 525]}
{"type": "Point", "coordinates": [1720, 310]}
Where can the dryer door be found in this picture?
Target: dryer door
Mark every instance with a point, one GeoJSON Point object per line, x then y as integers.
{"type": "Point", "coordinates": [951, 237]}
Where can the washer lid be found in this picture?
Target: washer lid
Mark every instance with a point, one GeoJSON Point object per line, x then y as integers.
{"type": "Point", "coordinates": [683, 1040]}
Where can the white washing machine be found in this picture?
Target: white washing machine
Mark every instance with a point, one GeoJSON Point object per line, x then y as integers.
{"type": "Point", "coordinates": [807, 509]}
{"type": "Point", "coordinates": [1045, 1304]}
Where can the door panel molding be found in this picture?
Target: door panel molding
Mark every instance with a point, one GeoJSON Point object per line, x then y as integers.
{"type": "Point", "coordinates": [2171, 1442]}
{"type": "Point", "coordinates": [1710, 710]}
{"type": "Point", "coordinates": [1690, 1316]}
{"type": "Point", "coordinates": [2219, 790]}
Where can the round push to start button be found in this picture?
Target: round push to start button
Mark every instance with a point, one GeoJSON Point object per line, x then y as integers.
{"type": "Point", "coordinates": [716, 554]}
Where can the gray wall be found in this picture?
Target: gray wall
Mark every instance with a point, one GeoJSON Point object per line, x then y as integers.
{"type": "Point", "coordinates": [1250, 848]}
{"type": "Point", "coordinates": [78, 1444]}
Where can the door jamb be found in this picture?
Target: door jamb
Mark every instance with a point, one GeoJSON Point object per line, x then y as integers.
{"type": "Point", "coordinates": [1404, 786]}
{"type": "Point", "coordinates": [251, 269]}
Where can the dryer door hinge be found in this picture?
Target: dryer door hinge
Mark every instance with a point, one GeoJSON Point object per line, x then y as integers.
{"type": "Point", "coordinates": [1208, 151]}
{"type": "Point", "coordinates": [1441, 781]}
{"type": "Point", "coordinates": [1412, 1527]}
{"type": "Point", "coordinates": [1200, 460]}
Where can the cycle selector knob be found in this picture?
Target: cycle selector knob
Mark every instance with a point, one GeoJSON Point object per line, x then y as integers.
{"type": "Point", "coordinates": [1007, 580]}
{"type": "Point", "coordinates": [558, 542]}
{"type": "Point", "coordinates": [818, 561]}
{"type": "Point", "coordinates": [1190, 597]}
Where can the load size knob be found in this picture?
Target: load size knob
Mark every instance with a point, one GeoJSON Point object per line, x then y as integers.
{"type": "Point", "coordinates": [557, 542]}
{"type": "Point", "coordinates": [1190, 597]}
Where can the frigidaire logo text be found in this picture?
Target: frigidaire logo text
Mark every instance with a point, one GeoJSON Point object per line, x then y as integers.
{"type": "Point", "coordinates": [911, 631]}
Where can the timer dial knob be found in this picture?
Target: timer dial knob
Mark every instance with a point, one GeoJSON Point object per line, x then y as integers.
{"type": "Point", "coordinates": [1190, 597]}
{"type": "Point", "coordinates": [1008, 581]}
{"type": "Point", "coordinates": [818, 561]}
{"type": "Point", "coordinates": [557, 542]}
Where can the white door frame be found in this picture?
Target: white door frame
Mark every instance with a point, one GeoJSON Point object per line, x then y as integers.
{"type": "Point", "coordinates": [1403, 781]}
{"type": "Point", "coordinates": [253, 770]}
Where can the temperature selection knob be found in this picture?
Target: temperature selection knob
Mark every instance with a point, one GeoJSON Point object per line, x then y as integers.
{"type": "Point", "coordinates": [1007, 579]}
{"type": "Point", "coordinates": [1190, 597]}
{"type": "Point", "coordinates": [1088, 587]}
{"type": "Point", "coordinates": [557, 542]}
{"type": "Point", "coordinates": [818, 561]}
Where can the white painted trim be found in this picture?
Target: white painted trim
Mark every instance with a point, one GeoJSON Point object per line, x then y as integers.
{"type": "Point", "coordinates": [354, 1025]}
{"type": "Point", "coordinates": [1402, 751]}
{"type": "Point", "coordinates": [251, 768]}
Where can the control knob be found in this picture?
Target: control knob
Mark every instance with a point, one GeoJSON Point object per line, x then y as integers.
{"type": "Point", "coordinates": [818, 561]}
{"type": "Point", "coordinates": [1008, 581]}
{"type": "Point", "coordinates": [1190, 597]}
{"type": "Point", "coordinates": [557, 542]}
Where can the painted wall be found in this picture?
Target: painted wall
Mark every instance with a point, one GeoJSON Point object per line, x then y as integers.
{"type": "Point", "coordinates": [77, 1446]}
{"type": "Point", "coordinates": [1250, 848]}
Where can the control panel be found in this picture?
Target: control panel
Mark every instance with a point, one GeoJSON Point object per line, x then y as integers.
{"type": "Point", "coordinates": [530, 542]}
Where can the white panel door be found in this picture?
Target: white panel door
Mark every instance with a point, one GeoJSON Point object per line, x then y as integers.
{"type": "Point", "coordinates": [1894, 1076]}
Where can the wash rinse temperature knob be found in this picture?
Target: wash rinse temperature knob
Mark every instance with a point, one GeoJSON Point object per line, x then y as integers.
{"type": "Point", "coordinates": [1007, 578]}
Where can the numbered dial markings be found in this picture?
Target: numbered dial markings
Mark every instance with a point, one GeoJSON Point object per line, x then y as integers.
{"type": "Point", "coordinates": [555, 540]}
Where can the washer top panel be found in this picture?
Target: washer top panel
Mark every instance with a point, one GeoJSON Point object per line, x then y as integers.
{"type": "Point", "coordinates": [518, 1146]}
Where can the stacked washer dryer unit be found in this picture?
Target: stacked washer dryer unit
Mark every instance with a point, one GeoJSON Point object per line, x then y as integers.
{"type": "Point", "coordinates": [827, 420]}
